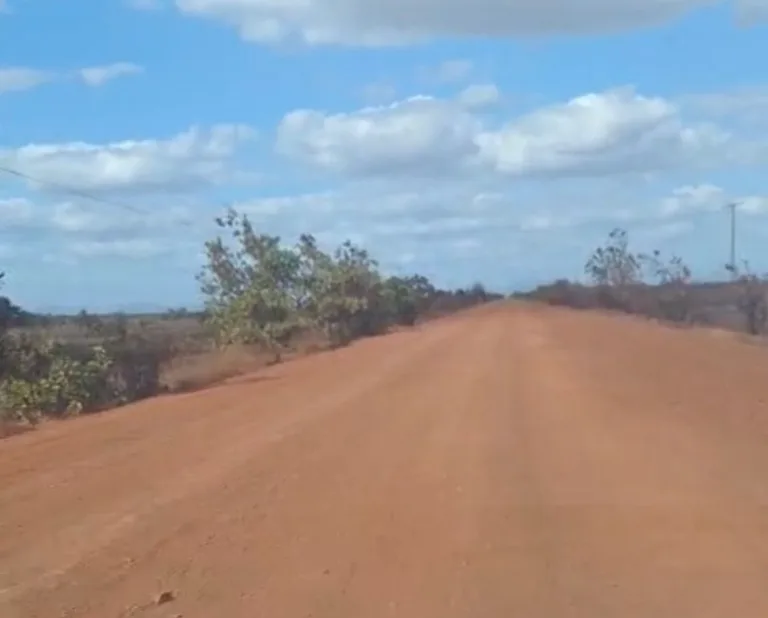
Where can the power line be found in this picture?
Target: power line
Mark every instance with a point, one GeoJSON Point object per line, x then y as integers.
{"type": "Point", "coordinates": [73, 191]}
{"type": "Point", "coordinates": [86, 195]}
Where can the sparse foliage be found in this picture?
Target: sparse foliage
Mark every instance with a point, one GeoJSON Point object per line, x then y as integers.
{"type": "Point", "coordinates": [673, 278]}
{"type": "Point", "coordinates": [261, 291]}
{"type": "Point", "coordinates": [48, 382]}
{"type": "Point", "coordinates": [753, 298]}
{"type": "Point", "coordinates": [614, 264]}
{"type": "Point", "coordinates": [257, 289]}
{"type": "Point", "coordinates": [614, 269]}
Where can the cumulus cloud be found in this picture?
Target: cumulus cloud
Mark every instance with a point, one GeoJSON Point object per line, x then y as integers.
{"type": "Point", "coordinates": [392, 22]}
{"type": "Point", "coordinates": [596, 134]}
{"type": "Point", "coordinates": [600, 133]}
{"type": "Point", "coordinates": [420, 135]}
{"type": "Point", "coordinates": [191, 159]}
{"type": "Point", "coordinates": [692, 199]}
{"type": "Point", "coordinates": [85, 228]}
{"type": "Point", "coordinates": [100, 75]}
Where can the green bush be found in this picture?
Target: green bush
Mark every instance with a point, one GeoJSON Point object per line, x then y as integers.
{"type": "Point", "coordinates": [56, 385]}
{"type": "Point", "coordinates": [258, 290]}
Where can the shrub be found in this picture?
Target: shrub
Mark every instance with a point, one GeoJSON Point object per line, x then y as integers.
{"type": "Point", "coordinates": [56, 385]}
{"type": "Point", "coordinates": [260, 291]}
{"type": "Point", "coordinates": [752, 301]}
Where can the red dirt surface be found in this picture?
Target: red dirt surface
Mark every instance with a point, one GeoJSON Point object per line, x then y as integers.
{"type": "Point", "coordinates": [510, 461]}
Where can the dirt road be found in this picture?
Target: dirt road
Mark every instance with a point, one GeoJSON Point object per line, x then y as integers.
{"type": "Point", "coordinates": [511, 461]}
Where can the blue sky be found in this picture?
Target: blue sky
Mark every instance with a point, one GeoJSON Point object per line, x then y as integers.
{"type": "Point", "coordinates": [487, 140]}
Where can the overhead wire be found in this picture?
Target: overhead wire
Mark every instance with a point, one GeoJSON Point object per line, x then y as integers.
{"type": "Point", "coordinates": [80, 193]}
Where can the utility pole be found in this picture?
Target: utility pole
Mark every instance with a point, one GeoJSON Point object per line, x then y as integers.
{"type": "Point", "coordinates": [732, 206]}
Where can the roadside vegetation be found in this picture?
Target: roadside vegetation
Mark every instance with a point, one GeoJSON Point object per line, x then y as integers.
{"type": "Point", "coordinates": [662, 288]}
{"type": "Point", "coordinates": [264, 300]}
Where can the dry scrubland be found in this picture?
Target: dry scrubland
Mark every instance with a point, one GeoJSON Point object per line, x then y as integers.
{"type": "Point", "coordinates": [514, 459]}
{"type": "Point", "coordinates": [511, 459]}
{"type": "Point", "coordinates": [265, 301]}
{"type": "Point", "coordinates": [662, 288]}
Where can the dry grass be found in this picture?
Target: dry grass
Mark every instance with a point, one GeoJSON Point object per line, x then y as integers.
{"type": "Point", "coordinates": [196, 371]}
{"type": "Point", "coordinates": [191, 372]}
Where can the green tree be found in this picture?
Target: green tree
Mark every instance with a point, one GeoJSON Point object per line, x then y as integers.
{"type": "Point", "coordinates": [253, 289]}
{"type": "Point", "coordinates": [345, 295]}
{"type": "Point", "coordinates": [409, 297]}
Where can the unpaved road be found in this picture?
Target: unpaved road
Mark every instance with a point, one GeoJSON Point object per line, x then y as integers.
{"type": "Point", "coordinates": [513, 461]}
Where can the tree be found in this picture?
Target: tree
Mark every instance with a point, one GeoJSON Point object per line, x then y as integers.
{"type": "Point", "coordinates": [752, 301]}
{"type": "Point", "coordinates": [10, 314]}
{"type": "Point", "coordinates": [614, 264]}
{"type": "Point", "coordinates": [254, 290]}
{"type": "Point", "coordinates": [258, 290]}
{"type": "Point", "coordinates": [615, 269]}
{"type": "Point", "coordinates": [91, 324]}
{"type": "Point", "coordinates": [344, 292]}
{"type": "Point", "coordinates": [673, 278]}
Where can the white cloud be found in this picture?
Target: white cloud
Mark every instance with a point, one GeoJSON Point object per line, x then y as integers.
{"type": "Point", "coordinates": [420, 135]}
{"type": "Point", "coordinates": [15, 211]}
{"type": "Point", "coordinates": [478, 96]}
{"type": "Point", "coordinates": [184, 162]}
{"type": "Point", "coordinates": [753, 204]}
{"type": "Point", "coordinates": [18, 79]}
{"type": "Point", "coordinates": [99, 75]}
{"type": "Point", "coordinates": [597, 134]}
{"type": "Point", "coordinates": [692, 199]}
{"type": "Point", "coordinates": [92, 218]}
{"type": "Point", "coordinates": [85, 229]}
{"type": "Point", "coordinates": [601, 133]}
{"type": "Point", "coordinates": [388, 22]}
{"type": "Point", "coordinates": [464, 215]}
